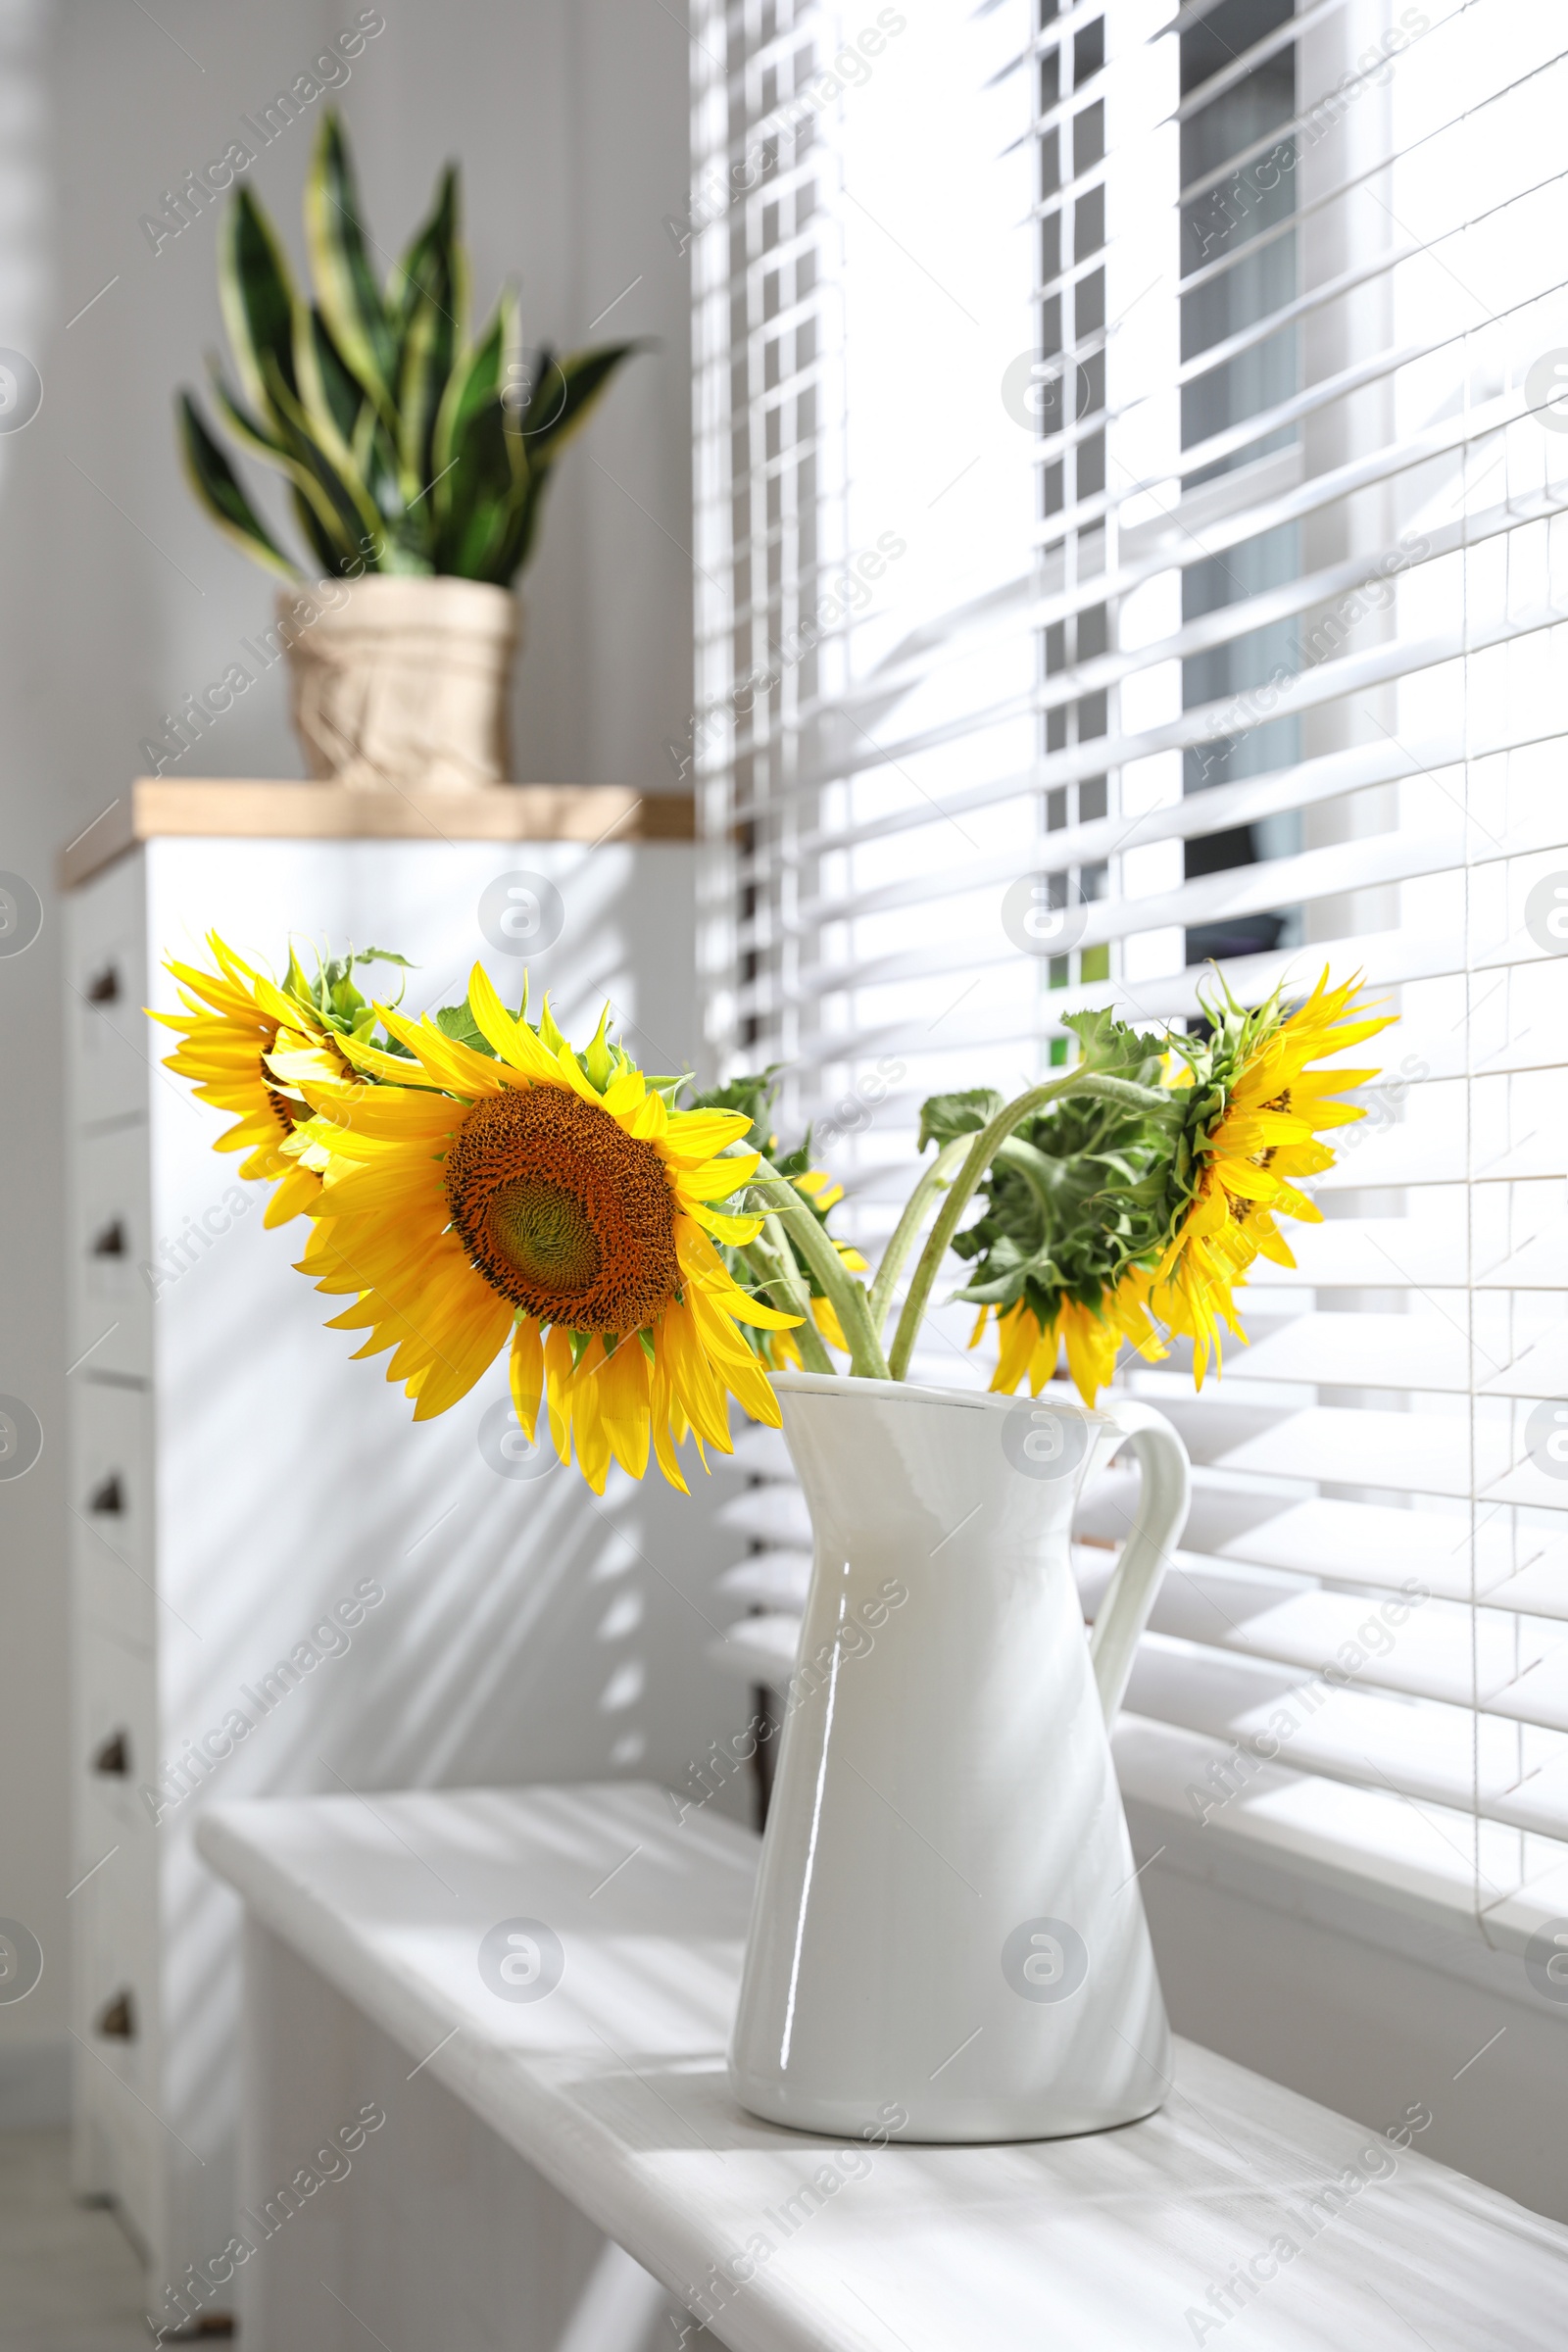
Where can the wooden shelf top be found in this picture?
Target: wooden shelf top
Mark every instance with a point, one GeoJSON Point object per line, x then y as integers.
{"type": "Point", "coordinates": [158, 808]}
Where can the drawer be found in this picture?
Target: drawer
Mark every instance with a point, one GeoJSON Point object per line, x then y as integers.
{"type": "Point", "coordinates": [116, 1852]}
{"type": "Point", "coordinates": [114, 1997]}
{"type": "Point", "coordinates": [113, 1277]}
{"type": "Point", "coordinates": [111, 1039]}
{"type": "Point", "coordinates": [114, 1734]}
{"type": "Point", "coordinates": [110, 1500]}
{"type": "Point", "coordinates": [120, 2154]}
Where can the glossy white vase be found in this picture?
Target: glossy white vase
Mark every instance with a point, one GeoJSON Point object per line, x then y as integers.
{"type": "Point", "coordinates": [948, 1920]}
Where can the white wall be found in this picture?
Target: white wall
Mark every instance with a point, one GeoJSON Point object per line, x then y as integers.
{"type": "Point", "coordinates": [117, 596]}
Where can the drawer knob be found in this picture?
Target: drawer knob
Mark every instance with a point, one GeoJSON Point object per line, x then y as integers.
{"type": "Point", "coordinates": [110, 1240]}
{"type": "Point", "coordinates": [107, 1496]}
{"type": "Point", "coordinates": [117, 2020]}
{"type": "Point", "coordinates": [103, 988]}
{"type": "Point", "coordinates": [115, 1755]}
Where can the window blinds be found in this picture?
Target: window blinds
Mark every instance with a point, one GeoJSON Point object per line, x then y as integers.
{"type": "Point", "coordinates": [1131, 532]}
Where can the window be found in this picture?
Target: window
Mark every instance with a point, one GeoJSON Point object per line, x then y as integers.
{"type": "Point", "coordinates": [1185, 521]}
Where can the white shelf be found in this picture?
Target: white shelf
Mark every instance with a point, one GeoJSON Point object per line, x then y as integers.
{"type": "Point", "coordinates": [615, 2089]}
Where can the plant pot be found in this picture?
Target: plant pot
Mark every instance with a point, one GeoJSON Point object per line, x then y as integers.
{"type": "Point", "coordinates": [402, 682]}
{"type": "Point", "coordinates": [948, 1940]}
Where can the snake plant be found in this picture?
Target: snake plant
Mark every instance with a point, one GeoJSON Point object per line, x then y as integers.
{"type": "Point", "coordinates": [407, 445]}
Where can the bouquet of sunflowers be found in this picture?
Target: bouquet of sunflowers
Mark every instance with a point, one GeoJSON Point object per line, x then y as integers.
{"type": "Point", "coordinates": [474, 1182]}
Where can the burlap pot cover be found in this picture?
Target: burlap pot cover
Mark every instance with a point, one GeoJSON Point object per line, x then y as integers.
{"type": "Point", "coordinates": [402, 682]}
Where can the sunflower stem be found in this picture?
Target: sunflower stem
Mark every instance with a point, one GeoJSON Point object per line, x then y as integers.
{"type": "Point", "coordinates": [775, 1192]}
{"type": "Point", "coordinates": [906, 1232]}
{"type": "Point", "coordinates": [982, 1152]}
{"type": "Point", "coordinates": [772, 1262]}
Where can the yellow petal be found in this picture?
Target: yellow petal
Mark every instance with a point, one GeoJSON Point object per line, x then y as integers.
{"type": "Point", "coordinates": [825, 1316]}
{"type": "Point", "coordinates": [663, 1412]}
{"type": "Point", "coordinates": [623, 1404]}
{"type": "Point", "coordinates": [451, 1064]}
{"type": "Point", "coordinates": [466, 1357]}
{"type": "Point", "coordinates": [622, 1095]}
{"type": "Point", "coordinates": [718, 1178]}
{"type": "Point", "coordinates": [394, 1068]}
{"type": "Point", "coordinates": [696, 1134]}
{"type": "Point", "coordinates": [515, 1041]}
{"type": "Point", "coordinates": [526, 1372]}
{"type": "Point", "coordinates": [558, 1384]}
{"type": "Point", "coordinates": [590, 1438]}
{"type": "Point", "coordinates": [649, 1121]}
{"type": "Point", "coordinates": [690, 1376]}
{"type": "Point", "coordinates": [736, 1231]}
{"type": "Point", "coordinates": [297, 1187]}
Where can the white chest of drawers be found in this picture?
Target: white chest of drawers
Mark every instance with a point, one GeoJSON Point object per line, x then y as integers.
{"type": "Point", "coordinates": [280, 1584]}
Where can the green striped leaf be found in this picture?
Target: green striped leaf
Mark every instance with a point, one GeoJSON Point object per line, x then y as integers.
{"type": "Point", "coordinates": [476, 458]}
{"type": "Point", "coordinates": [324, 378]}
{"type": "Point", "coordinates": [215, 484]}
{"type": "Point", "coordinates": [477, 381]}
{"type": "Point", "coordinates": [426, 364]}
{"type": "Point", "coordinates": [523, 520]}
{"type": "Point", "coordinates": [564, 394]}
{"type": "Point", "coordinates": [340, 499]}
{"type": "Point", "coordinates": [434, 265]}
{"type": "Point", "coordinates": [322, 544]}
{"type": "Point", "coordinates": [289, 449]}
{"type": "Point", "coordinates": [246, 428]}
{"type": "Point", "coordinates": [346, 285]}
{"type": "Point", "coordinates": [427, 297]}
{"type": "Point", "coordinates": [256, 293]}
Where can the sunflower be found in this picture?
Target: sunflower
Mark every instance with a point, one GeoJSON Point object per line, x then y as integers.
{"type": "Point", "coordinates": [1251, 1132]}
{"type": "Point", "coordinates": [234, 1019]}
{"type": "Point", "coordinates": [1091, 1335]}
{"type": "Point", "coordinates": [548, 1197]}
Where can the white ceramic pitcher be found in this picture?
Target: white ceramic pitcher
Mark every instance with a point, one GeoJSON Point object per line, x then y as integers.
{"type": "Point", "coordinates": [946, 1917]}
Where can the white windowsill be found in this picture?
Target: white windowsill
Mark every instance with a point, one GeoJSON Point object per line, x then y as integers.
{"type": "Point", "coordinates": [1354, 1860]}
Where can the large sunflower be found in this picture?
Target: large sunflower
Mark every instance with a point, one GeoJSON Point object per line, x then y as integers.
{"type": "Point", "coordinates": [548, 1197]}
{"type": "Point", "coordinates": [234, 1018]}
{"type": "Point", "coordinates": [1252, 1112]}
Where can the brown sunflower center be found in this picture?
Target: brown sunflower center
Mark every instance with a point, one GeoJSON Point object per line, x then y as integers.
{"type": "Point", "coordinates": [282, 1109]}
{"type": "Point", "coordinates": [562, 1211]}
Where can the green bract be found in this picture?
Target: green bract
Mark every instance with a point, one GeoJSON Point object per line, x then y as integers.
{"type": "Point", "coordinates": [333, 995]}
{"type": "Point", "coordinates": [407, 447]}
{"type": "Point", "coordinates": [1214, 1059]}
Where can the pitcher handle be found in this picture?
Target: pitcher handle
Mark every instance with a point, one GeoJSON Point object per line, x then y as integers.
{"type": "Point", "coordinates": [1163, 1506]}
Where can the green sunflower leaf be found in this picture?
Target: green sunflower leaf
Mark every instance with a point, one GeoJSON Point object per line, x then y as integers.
{"type": "Point", "coordinates": [944, 1116]}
